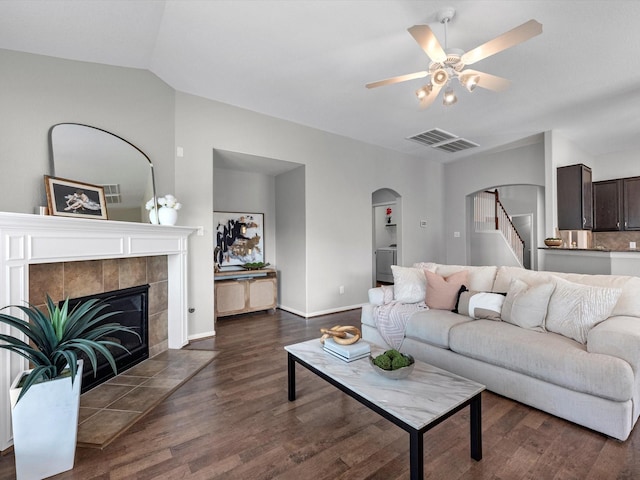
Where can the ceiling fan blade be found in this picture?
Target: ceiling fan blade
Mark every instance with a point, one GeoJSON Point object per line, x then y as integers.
{"type": "Point", "coordinates": [398, 79]}
{"type": "Point", "coordinates": [429, 99]}
{"type": "Point", "coordinates": [488, 81]}
{"type": "Point", "coordinates": [428, 42]}
{"type": "Point", "coordinates": [507, 40]}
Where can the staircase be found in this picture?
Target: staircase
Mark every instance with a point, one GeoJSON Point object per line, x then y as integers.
{"type": "Point", "coordinates": [490, 215]}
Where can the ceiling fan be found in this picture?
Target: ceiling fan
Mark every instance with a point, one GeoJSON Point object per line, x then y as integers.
{"type": "Point", "coordinates": [447, 64]}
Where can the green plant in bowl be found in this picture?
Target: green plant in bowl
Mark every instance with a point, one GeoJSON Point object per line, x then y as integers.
{"type": "Point", "coordinates": [392, 364]}
{"type": "Point", "coordinates": [255, 265]}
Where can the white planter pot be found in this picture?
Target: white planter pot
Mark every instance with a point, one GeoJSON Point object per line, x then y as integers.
{"type": "Point", "coordinates": [45, 426]}
{"type": "Point", "coordinates": [167, 216]}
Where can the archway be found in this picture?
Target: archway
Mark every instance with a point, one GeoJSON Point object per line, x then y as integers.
{"type": "Point", "coordinates": [524, 205]}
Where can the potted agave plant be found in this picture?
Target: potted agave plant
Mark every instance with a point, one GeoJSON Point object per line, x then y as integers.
{"type": "Point", "coordinates": [45, 400]}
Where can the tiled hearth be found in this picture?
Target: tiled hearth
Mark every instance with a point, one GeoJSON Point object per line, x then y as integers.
{"type": "Point", "coordinates": [111, 408]}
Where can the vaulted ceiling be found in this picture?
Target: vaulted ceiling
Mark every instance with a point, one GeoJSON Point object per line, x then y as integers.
{"type": "Point", "coordinates": [307, 61]}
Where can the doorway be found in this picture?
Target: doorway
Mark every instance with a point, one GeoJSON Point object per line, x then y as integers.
{"type": "Point", "coordinates": [524, 226]}
{"type": "Point", "coordinates": [386, 234]}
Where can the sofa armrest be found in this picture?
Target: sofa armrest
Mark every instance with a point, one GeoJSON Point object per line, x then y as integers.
{"type": "Point", "coordinates": [376, 296]}
{"type": "Point", "coordinates": [618, 336]}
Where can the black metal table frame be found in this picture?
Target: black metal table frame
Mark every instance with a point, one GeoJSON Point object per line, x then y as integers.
{"type": "Point", "coordinates": [416, 440]}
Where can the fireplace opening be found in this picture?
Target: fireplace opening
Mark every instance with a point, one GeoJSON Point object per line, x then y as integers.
{"type": "Point", "coordinates": [133, 305]}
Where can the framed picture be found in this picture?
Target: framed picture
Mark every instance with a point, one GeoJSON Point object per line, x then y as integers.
{"type": "Point", "coordinates": [69, 198]}
{"type": "Point", "coordinates": [239, 238]}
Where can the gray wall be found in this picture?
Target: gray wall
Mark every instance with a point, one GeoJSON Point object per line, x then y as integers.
{"type": "Point", "coordinates": [615, 165]}
{"type": "Point", "coordinates": [340, 174]}
{"type": "Point", "coordinates": [291, 240]}
{"type": "Point", "coordinates": [522, 164]}
{"type": "Point", "coordinates": [37, 92]}
{"type": "Point", "coordinates": [239, 191]}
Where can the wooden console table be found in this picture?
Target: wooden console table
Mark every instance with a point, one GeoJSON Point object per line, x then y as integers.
{"type": "Point", "coordinates": [243, 291]}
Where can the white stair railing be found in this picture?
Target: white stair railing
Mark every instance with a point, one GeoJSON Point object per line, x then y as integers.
{"type": "Point", "coordinates": [489, 215]}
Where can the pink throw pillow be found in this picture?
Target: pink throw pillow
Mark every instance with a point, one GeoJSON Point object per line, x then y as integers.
{"type": "Point", "coordinates": [442, 293]}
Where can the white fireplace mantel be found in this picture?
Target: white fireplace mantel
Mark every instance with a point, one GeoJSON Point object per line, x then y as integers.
{"type": "Point", "coordinates": [30, 239]}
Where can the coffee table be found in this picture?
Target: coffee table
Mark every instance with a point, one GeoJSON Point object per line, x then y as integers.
{"type": "Point", "coordinates": [416, 404]}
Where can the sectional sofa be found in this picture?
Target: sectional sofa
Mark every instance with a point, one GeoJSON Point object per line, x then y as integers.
{"type": "Point", "coordinates": [567, 344]}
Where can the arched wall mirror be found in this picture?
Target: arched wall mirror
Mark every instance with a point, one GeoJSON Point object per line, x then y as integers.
{"type": "Point", "coordinates": [92, 155]}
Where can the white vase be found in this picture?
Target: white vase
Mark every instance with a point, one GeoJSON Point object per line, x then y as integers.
{"type": "Point", "coordinates": [153, 218]}
{"type": "Point", "coordinates": [167, 216]}
{"type": "Point", "coordinates": [45, 426]}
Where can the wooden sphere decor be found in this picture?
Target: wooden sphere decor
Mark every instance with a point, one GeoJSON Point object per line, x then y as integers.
{"type": "Point", "coordinates": [342, 334]}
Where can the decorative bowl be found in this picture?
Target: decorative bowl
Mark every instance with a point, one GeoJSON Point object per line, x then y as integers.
{"type": "Point", "coordinates": [553, 242]}
{"type": "Point", "coordinates": [398, 374]}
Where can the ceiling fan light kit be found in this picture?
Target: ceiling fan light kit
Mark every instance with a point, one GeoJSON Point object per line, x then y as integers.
{"type": "Point", "coordinates": [469, 81]}
{"type": "Point", "coordinates": [440, 77]}
{"type": "Point", "coordinates": [447, 64]}
{"type": "Point", "coordinates": [423, 92]}
{"type": "Point", "coordinates": [449, 97]}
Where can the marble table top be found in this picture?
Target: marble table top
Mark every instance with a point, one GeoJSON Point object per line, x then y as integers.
{"type": "Point", "coordinates": [424, 396]}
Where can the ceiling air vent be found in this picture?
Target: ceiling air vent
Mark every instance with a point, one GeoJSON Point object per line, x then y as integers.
{"type": "Point", "coordinates": [455, 145]}
{"type": "Point", "coordinates": [444, 141]}
{"type": "Point", "coordinates": [432, 136]}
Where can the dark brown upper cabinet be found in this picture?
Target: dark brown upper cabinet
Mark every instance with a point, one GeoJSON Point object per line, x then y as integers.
{"type": "Point", "coordinates": [607, 206]}
{"type": "Point", "coordinates": [575, 197]}
{"type": "Point", "coordinates": [616, 205]}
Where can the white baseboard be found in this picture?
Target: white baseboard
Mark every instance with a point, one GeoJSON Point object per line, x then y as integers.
{"type": "Point", "coordinates": [321, 312]}
{"type": "Point", "coordinates": [199, 336]}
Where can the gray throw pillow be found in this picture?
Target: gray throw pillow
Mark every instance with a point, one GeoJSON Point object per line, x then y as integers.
{"type": "Point", "coordinates": [526, 306]}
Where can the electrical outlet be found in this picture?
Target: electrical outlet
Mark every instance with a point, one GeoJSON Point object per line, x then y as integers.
{"type": "Point", "coordinates": [341, 289]}
{"type": "Point", "coordinates": [632, 245]}
{"type": "Point", "coordinates": [456, 234]}
{"type": "Point", "coordinates": [423, 224]}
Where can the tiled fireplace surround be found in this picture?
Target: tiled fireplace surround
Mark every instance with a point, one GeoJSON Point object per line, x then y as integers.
{"type": "Point", "coordinates": [89, 256]}
{"type": "Point", "coordinates": [77, 279]}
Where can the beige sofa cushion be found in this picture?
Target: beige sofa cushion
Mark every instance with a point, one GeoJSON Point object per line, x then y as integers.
{"type": "Point", "coordinates": [619, 337]}
{"type": "Point", "coordinates": [505, 275]}
{"type": "Point", "coordinates": [627, 305]}
{"type": "Point", "coordinates": [432, 326]}
{"type": "Point", "coordinates": [547, 356]}
{"type": "Point", "coordinates": [480, 278]}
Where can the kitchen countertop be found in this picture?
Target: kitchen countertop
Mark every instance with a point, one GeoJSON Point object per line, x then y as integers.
{"type": "Point", "coordinates": [574, 249]}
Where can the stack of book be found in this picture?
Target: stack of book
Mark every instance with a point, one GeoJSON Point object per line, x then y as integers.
{"type": "Point", "coordinates": [348, 353]}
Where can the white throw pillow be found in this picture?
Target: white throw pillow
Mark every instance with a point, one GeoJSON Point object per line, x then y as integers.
{"type": "Point", "coordinates": [409, 284]}
{"type": "Point", "coordinates": [574, 309]}
{"type": "Point", "coordinates": [526, 306]}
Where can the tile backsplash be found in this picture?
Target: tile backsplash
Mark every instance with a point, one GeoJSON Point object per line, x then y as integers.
{"type": "Point", "coordinates": [615, 240]}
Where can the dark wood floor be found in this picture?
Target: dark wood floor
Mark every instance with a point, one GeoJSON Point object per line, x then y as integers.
{"type": "Point", "coordinates": [233, 421]}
